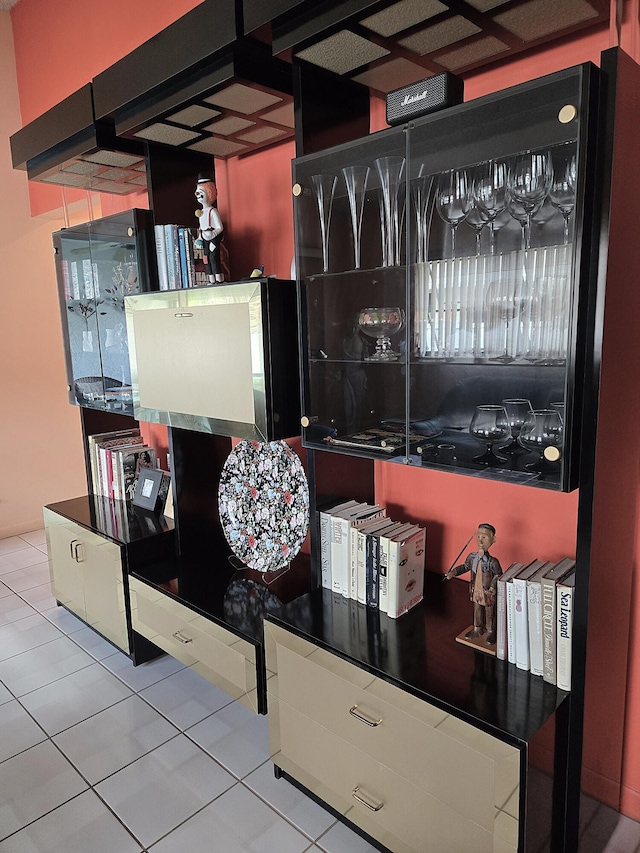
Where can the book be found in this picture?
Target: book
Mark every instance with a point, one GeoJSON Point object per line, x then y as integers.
{"type": "Point", "coordinates": [372, 561]}
{"type": "Point", "coordinates": [564, 627]}
{"type": "Point", "coordinates": [521, 613]}
{"type": "Point", "coordinates": [355, 517]}
{"type": "Point", "coordinates": [534, 607]}
{"type": "Point", "coordinates": [406, 571]}
{"type": "Point", "coordinates": [361, 554]}
{"type": "Point", "coordinates": [115, 437]}
{"type": "Point", "coordinates": [340, 546]}
{"type": "Point", "coordinates": [501, 608]}
{"type": "Point", "coordinates": [324, 531]}
{"type": "Point", "coordinates": [161, 257]}
{"type": "Point", "coordinates": [134, 458]}
{"type": "Point", "coordinates": [548, 593]}
{"type": "Point", "coordinates": [383, 569]}
{"type": "Point", "coordinates": [173, 269]}
{"type": "Point", "coordinates": [375, 514]}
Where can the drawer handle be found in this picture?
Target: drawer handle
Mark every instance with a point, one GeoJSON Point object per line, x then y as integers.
{"type": "Point", "coordinates": [77, 550]}
{"type": "Point", "coordinates": [374, 807]}
{"type": "Point", "coordinates": [182, 639]}
{"type": "Point", "coordinates": [368, 721]}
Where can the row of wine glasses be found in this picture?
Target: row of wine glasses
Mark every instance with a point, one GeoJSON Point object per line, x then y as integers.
{"type": "Point", "coordinates": [514, 427]}
{"type": "Point", "coordinates": [495, 190]}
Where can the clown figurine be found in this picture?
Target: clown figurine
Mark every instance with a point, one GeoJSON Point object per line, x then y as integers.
{"type": "Point", "coordinates": [210, 227]}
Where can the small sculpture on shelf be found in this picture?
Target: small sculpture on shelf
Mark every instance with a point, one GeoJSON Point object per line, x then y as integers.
{"type": "Point", "coordinates": [210, 229]}
{"type": "Point", "coordinates": [485, 570]}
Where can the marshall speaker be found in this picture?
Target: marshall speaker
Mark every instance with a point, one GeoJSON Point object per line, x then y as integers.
{"type": "Point", "coordinates": [427, 96]}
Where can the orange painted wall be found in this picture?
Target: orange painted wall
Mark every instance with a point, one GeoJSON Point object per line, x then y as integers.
{"type": "Point", "coordinates": [256, 205]}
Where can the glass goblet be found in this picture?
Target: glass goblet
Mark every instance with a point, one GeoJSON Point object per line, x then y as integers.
{"type": "Point", "coordinates": [490, 425]}
{"type": "Point", "coordinates": [562, 193]}
{"type": "Point", "coordinates": [489, 191]}
{"type": "Point", "coordinates": [529, 182]}
{"type": "Point", "coordinates": [542, 433]}
{"type": "Point", "coordinates": [380, 324]}
{"type": "Point", "coordinates": [517, 409]}
{"type": "Point", "coordinates": [453, 200]}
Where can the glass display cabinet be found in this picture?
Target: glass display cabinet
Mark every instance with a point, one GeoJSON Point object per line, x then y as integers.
{"type": "Point", "coordinates": [97, 265]}
{"type": "Point", "coordinates": [444, 286]}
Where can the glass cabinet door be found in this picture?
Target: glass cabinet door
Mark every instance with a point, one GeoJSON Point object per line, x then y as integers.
{"type": "Point", "coordinates": [442, 265]}
{"type": "Point", "coordinates": [98, 264]}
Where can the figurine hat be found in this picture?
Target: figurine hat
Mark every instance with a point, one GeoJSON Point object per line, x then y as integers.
{"type": "Point", "coordinates": [204, 178]}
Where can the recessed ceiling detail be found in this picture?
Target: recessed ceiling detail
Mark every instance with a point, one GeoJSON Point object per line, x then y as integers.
{"type": "Point", "coordinates": [392, 74]}
{"type": "Point", "coordinates": [243, 99]}
{"type": "Point", "coordinates": [400, 16]}
{"type": "Point", "coordinates": [196, 114]}
{"type": "Point", "coordinates": [342, 52]}
{"type": "Point", "coordinates": [539, 18]}
{"type": "Point", "coordinates": [440, 35]}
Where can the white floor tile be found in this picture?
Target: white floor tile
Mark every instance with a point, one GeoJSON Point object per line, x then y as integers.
{"type": "Point", "coordinates": [19, 731]}
{"type": "Point", "coordinates": [22, 559]}
{"type": "Point", "coordinates": [145, 674]}
{"type": "Point", "coordinates": [27, 578]}
{"type": "Point", "coordinates": [112, 739]}
{"type": "Point", "coordinates": [4, 590]}
{"type": "Point", "coordinates": [65, 620]}
{"type": "Point", "coordinates": [12, 544]}
{"type": "Point", "coordinates": [26, 634]}
{"type": "Point", "coordinates": [240, 823]}
{"type": "Point", "coordinates": [5, 694]}
{"type": "Point", "coordinates": [38, 667]}
{"type": "Point", "coordinates": [34, 782]}
{"type": "Point", "coordinates": [74, 698]}
{"type": "Point", "coordinates": [97, 646]}
{"type": "Point", "coordinates": [234, 736]}
{"type": "Point", "coordinates": [12, 608]}
{"type": "Point", "coordinates": [69, 828]}
{"type": "Point", "coordinates": [39, 597]}
{"type": "Point", "coordinates": [161, 790]}
{"type": "Point", "coordinates": [185, 698]}
{"type": "Point", "coordinates": [290, 802]}
{"type": "Point", "coordinates": [35, 537]}
{"type": "Point", "coordinates": [342, 839]}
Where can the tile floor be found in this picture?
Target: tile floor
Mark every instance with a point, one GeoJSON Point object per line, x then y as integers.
{"type": "Point", "coordinates": [98, 756]}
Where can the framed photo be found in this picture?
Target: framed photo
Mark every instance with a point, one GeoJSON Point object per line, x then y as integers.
{"type": "Point", "coordinates": [148, 488]}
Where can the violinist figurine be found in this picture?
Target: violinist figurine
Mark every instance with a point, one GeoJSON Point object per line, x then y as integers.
{"type": "Point", "coordinates": [210, 227]}
{"type": "Point", "coordinates": [485, 570]}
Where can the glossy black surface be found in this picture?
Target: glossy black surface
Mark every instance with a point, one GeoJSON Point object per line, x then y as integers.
{"type": "Point", "coordinates": [419, 653]}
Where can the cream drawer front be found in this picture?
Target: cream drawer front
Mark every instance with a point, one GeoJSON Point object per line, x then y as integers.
{"type": "Point", "coordinates": [217, 654]}
{"type": "Point", "coordinates": [382, 802]}
{"type": "Point", "coordinates": [452, 761]}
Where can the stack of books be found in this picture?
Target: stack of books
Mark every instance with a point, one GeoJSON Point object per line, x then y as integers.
{"type": "Point", "coordinates": [115, 459]}
{"type": "Point", "coordinates": [534, 605]}
{"type": "Point", "coordinates": [178, 258]}
{"type": "Point", "coordinates": [372, 559]}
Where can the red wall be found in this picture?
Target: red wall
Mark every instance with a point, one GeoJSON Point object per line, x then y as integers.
{"type": "Point", "coordinates": [255, 201]}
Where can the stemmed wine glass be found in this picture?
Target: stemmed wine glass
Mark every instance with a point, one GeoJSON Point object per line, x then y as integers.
{"type": "Point", "coordinates": [490, 425]}
{"type": "Point", "coordinates": [355, 178]}
{"type": "Point", "coordinates": [478, 220]}
{"type": "Point", "coordinates": [390, 170]}
{"type": "Point", "coordinates": [453, 201]}
{"type": "Point", "coordinates": [542, 432]}
{"type": "Point", "coordinates": [529, 182]}
{"type": "Point", "coordinates": [517, 409]}
{"type": "Point", "coordinates": [562, 193]}
{"type": "Point", "coordinates": [518, 212]}
{"type": "Point", "coordinates": [489, 191]}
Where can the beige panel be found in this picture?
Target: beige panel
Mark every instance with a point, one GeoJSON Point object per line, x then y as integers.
{"type": "Point", "coordinates": [405, 812]}
{"type": "Point", "coordinates": [218, 655]}
{"type": "Point", "coordinates": [442, 766]}
{"type": "Point", "coordinates": [66, 575]}
{"type": "Point", "coordinates": [506, 829]}
{"type": "Point", "coordinates": [182, 358]}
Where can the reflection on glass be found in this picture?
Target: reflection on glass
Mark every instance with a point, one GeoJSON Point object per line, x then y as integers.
{"type": "Point", "coordinates": [390, 171]}
{"type": "Point", "coordinates": [490, 425]}
{"type": "Point", "coordinates": [325, 186]}
{"type": "Point", "coordinates": [380, 324]}
{"type": "Point", "coordinates": [356, 177]}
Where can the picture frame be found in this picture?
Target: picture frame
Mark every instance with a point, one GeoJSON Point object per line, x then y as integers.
{"type": "Point", "coordinates": [148, 488]}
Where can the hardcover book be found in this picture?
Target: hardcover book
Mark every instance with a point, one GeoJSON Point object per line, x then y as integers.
{"type": "Point", "coordinates": [564, 627]}
{"type": "Point", "coordinates": [521, 613]}
{"type": "Point", "coordinates": [376, 526]}
{"type": "Point", "coordinates": [406, 571]}
{"type": "Point", "coordinates": [534, 603]}
{"type": "Point", "coordinates": [324, 530]}
{"type": "Point", "coordinates": [548, 592]}
{"type": "Point", "coordinates": [501, 608]}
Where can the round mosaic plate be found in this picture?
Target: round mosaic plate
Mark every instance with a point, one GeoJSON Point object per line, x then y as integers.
{"type": "Point", "coordinates": [263, 500]}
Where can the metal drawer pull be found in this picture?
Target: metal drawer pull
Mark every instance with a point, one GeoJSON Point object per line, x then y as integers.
{"type": "Point", "coordinates": [369, 721]}
{"type": "Point", "coordinates": [374, 807]}
{"type": "Point", "coordinates": [182, 639]}
{"type": "Point", "coordinates": [77, 550]}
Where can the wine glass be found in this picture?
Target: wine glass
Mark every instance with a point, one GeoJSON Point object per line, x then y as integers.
{"type": "Point", "coordinates": [325, 186]}
{"type": "Point", "coordinates": [490, 425]}
{"type": "Point", "coordinates": [489, 191]}
{"type": "Point", "coordinates": [518, 212]}
{"type": "Point", "coordinates": [517, 409]}
{"type": "Point", "coordinates": [562, 193]}
{"type": "Point", "coordinates": [390, 170]}
{"type": "Point", "coordinates": [542, 432]}
{"type": "Point", "coordinates": [478, 220]}
{"type": "Point", "coordinates": [529, 182]}
{"type": "Point", "coordinates": [453, 201]}
{"type": "Point", "coordinates": [380, 323]}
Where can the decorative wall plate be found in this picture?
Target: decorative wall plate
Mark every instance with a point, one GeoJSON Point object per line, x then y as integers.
{"type": "Point", "coordinates": [263, 501]}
